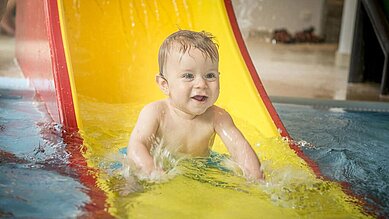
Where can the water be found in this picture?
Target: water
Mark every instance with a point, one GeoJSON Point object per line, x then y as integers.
{"type": "Point", "coordinates": [350, 147]}
{"type": "Point", "coordinates": [42, 177]}
{"type": "Point", "coordinates": [35, 178]}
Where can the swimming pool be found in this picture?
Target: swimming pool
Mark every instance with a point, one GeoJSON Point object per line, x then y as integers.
{"type": "Point", "coordinates": [35, 178]}
{"type": "Point", "coordinates": [349, 146]}
{"type": "Point", "coordinates": [38, 180]}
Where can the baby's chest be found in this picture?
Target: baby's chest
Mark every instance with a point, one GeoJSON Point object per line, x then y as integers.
{"type": "Point", "coordinates": [194, 138]}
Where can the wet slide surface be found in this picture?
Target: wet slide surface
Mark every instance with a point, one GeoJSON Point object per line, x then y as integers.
{"type": "Point", "coordinates": [111, 50]}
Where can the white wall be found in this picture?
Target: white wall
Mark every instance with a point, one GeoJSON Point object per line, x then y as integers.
{"type": "Point", "coordinates": [267, 15]}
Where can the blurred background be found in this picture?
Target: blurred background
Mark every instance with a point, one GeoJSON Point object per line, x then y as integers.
{"type": "Point", "coordinates": [303, 48]}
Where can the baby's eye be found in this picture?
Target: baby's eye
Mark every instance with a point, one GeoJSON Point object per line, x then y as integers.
{"type": "Point", "coordinates": [188, 76]}
{"type": "Point", "coordinates": [210, 76]}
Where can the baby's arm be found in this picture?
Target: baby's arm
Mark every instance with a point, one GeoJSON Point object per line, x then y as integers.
{"type": "Point", "coordinates": [142, 137]}
{"type": "Point", "coordinates": [240, 150]}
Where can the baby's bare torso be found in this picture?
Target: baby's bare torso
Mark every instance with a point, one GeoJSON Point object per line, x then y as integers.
{"type": "Point", "coordinates": [192, 137]}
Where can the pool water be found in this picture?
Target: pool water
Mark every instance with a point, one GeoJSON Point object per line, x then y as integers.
{"type": "Point", "coordinates": [348, 146]}
{"type": "Point", "coordinates": [35, 178]}
{"type": "Point", "coordinates": [38, 179]}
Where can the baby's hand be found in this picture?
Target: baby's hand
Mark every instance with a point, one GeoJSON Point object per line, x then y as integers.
{"type": "Point", "coordinates": [261, 177]}
{"type": "Point", "coordinates": [256, 177]}
{"type": "Point", "coordinates": [155, 174]}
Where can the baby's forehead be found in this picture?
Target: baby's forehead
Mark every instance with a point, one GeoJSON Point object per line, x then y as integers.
{"type": "Point", "coordinates": [182, 50]}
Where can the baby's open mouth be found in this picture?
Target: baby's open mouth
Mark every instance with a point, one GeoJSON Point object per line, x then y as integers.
{"type": "Point", "coordinates": [200, 98]}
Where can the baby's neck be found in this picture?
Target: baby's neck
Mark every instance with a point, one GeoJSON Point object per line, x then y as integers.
{"type": "Point", "coordinates": [179, 113]}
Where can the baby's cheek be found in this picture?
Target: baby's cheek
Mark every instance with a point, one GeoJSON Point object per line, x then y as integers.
{"type": "Point", "coordinates": [216, 95]}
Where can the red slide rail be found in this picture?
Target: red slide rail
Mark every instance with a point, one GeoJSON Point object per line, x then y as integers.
{"type": "Point", "coordinates": [40, 54]}
{"type": "Point", "coordinates": [41, 57]}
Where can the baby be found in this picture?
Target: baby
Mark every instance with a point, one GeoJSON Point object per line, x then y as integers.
{"type": "Point", "coordinates": [188, 120]}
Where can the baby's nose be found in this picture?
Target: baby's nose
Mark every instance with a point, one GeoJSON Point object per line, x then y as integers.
{"type": "Point", "coordinates": [200, 82]}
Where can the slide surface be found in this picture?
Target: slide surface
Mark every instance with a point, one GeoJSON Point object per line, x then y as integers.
{"type": "Point", "coordinates": [111, 50]}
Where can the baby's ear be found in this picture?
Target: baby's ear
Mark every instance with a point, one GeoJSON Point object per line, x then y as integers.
{"type": "Point", "coordinates": [162, 83]}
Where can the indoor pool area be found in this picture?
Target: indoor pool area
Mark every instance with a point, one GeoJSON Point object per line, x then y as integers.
{"type": "Point", "coordinates": [305, 87]}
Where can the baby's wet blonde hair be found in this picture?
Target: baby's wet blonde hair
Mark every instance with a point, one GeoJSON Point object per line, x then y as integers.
{"type": "Point", "coordinates": [184, 40]}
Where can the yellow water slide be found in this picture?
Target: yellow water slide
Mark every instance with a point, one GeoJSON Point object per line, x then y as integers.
{"type": "Point", "coordinates": [111, 48]}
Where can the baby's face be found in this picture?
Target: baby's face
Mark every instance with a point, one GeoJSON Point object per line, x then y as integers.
{"type": "Point", "coordinates": [193, 81]}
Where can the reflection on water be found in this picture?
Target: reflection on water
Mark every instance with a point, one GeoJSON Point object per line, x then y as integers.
{"type": "Point", "coordinates": [214, 178]}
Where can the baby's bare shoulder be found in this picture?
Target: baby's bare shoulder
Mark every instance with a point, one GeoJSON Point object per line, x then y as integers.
{"type": "Point", "coordinates": [155, 106]}
{"type": "Point", "coordinates": [219, 116]}
{"type": "Point", "coordinates": [154, 109]}
{"type": "Point", "coordinates": [217, 112]}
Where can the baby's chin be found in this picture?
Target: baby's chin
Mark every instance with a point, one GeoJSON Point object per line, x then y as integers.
{"type": "Point", "coordinates": [191, 110]}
